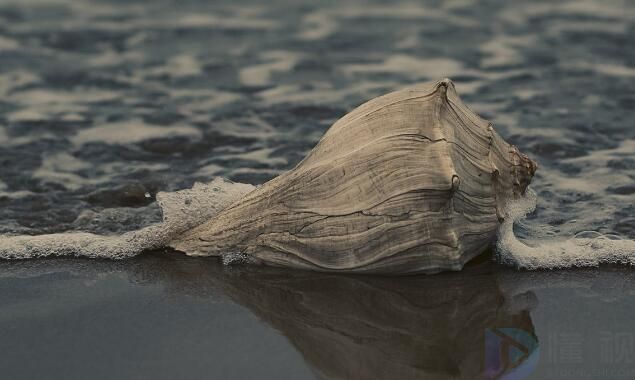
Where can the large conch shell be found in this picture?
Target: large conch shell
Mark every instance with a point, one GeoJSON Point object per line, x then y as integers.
{"type": "Point", "coordinates": [410, 182]}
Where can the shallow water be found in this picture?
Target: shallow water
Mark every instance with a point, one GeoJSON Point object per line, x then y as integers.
{"type": "Point", "coordinates": [105, 103]}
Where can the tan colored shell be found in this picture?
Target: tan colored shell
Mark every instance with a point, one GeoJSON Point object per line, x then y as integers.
{"type": "Point", "coordinates": [409, 182]}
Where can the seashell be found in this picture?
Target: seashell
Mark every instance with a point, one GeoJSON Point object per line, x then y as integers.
{"type": "Point", "coordinates": [410, 182]}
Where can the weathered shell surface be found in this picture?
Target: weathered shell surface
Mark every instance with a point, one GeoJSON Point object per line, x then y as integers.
{"type": "Point", "coordinates": [410, 182]}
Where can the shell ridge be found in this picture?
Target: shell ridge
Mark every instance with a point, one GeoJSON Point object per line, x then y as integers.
{"type": "Point", "coordinates": [367, 210]}
{"type": "Point", "coordinates": [438, 124]}
{"type": "Point", "coordinates": [318, 164]}
{"type": "Point", "coordinates": [432, 90]}
{"type": "Point", "coordinates": [394, 250]}
{"type": "Point", "coordinates": [345, 122]}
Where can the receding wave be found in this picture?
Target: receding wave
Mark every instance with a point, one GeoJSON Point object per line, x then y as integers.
{"type": "Point", "coordinates": [185, 209]}
{"type": "Point", "coordinates": [540, 249]}
{"type": "Point", "coordinates": [181, 211]}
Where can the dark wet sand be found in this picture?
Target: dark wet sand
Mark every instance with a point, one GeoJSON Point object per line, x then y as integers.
{"type": "Point", "coordinates": [166, 316]}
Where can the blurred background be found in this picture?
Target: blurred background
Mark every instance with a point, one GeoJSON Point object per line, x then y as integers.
{"type": "Point", "coordinates": [104, 103]}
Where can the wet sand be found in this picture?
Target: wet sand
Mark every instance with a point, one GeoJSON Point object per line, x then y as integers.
{"type": "Point", "coordinates": [163, 315]}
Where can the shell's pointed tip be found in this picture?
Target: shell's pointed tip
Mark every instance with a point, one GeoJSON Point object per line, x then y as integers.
{"type": "Point", "coordinates": [445, 85]}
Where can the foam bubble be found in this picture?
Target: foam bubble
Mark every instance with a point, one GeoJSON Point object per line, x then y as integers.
{"type": "Point", "coordinates": [181, 211]}
{"type": "Point", "coordinates": [542, 250]}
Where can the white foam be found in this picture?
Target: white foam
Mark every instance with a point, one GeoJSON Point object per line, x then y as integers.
{"type": "Point", "coordinates": [181, 210]}
{"type": "Point", "coordinates": [260, 74]}
{"type": "Point", "coordinates": [132, 131]}
{"type": "Point", "coordinates": [185, 209]}
{"type": "Point", "coordinates": [543, 250]}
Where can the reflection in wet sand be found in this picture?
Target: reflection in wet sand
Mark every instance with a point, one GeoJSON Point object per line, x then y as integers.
{"type": "Point", "coordinates": [368, 327]}
{"type": "Point", "coordinates": [344, 326]}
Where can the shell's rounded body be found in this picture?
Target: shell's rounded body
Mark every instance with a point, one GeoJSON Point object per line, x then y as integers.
{"type": "Point", "coordinates": [409, 182]}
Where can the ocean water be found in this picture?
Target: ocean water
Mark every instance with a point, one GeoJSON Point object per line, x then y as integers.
{"type": "Point", "coordinates": [106, 103]}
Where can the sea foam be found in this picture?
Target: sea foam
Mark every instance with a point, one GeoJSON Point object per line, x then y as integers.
{"type": "Point", "coordinates": [542, 250]}
{"type": "Point", "coordinates": [185, 209]}
{"type": "Point", "coordinates": [182, 210]}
